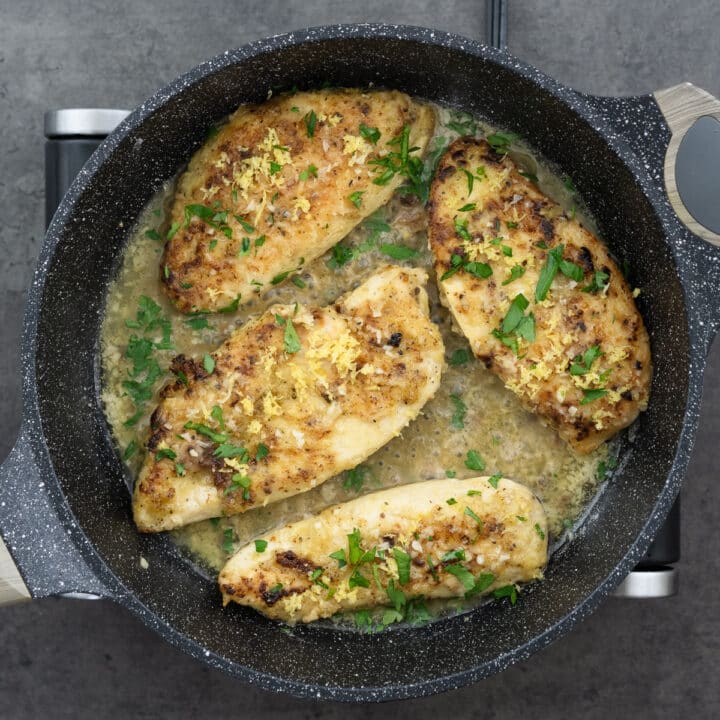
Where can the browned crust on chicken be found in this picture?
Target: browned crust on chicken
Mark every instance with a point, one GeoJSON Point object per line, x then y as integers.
{"type": "Point", "coordinates": [281, 183]}
{"type": "Point", "coordinates": [268, 420]}
{"type": "Point", "coordinates": [494, 532]}
{"type": "Point", "coordinates": [568, 323]}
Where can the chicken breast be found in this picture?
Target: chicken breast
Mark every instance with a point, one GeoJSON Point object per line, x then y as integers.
{"type": "Point", "coordinates": [280, 184]}
{"type": "Point", "coordinates": [436, 539]}
{"type": "Point", "coordinates": [541, 301]}
{"type": "Point", "coordinates": [288, 401]}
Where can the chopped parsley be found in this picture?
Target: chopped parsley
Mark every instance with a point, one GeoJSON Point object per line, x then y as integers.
{"type": "Point", "coordinates": [153, 234]}
{"type": "Point", "coordinates": [229, 540]}
{"type": "Point", "coordinates": [508, 591]}
{"type": "Point", "coordinates": [554, 263]}
{"type": "Point", "coordinates": [482, 582]}
{"type": "Point", "coordinates": [260, 546]}
{"type": "Point", "coordinates": [262, 452]}
{"type": "Point", "coordinates": [463, 575]}
{"type": "Point", "coordinates": [370, 134]}
{"type": "Point", "coordinates": [495, 479]}
{"type": "Point", "coordinates": [516, 272]}
{"type": "Point", "coordinates": [457, 263]}
{"type": "Point", "coordinates": [500, 142]}
{"type": "Point", "coordinates": [180, 469]}
{"type": "Point", "coordinates": [516, 325]}
{"type": "Point", "coordinates": [468, 207]}
{"type": "Point", "coordinates": [217, 415]}
{"type": "Point", "coordinates": [166, 453]}
{"type": "Point", "coordinates": [451, 501]}
{"type": "Point", "coordinates": [403, 565]}
{"type": "Point", "coordinates": [291, 339]}
{"type": "Point", "coordinates": [237, 482]}
{"type": "Point", "coordinates": [208, 363]}
{"type": "Point", "coordinates": [472, 514]}
{"type": "Point", "coordinates": [172, 230]}
{"type": "Point", "coordinates": [474, 461]}
{"type": "Point", "coordinates": [130, 450]}
{"type": "Point", "coordinates": [539, 531]}
{"type": "Point", "coordinates": [471, 178]}
{"type": "Point", "coordinates": [355, 479]}
{"type": "Point", "coordinates": [231, 308]}
{"type": "Point", "coordinates": [457, 422]}
{"type": "Point", "coordinates": [591, 395]}
{"type": "Point", "coordinates": [582, 364]}
{"type": "Point", "coordinates": [198, 323]}
{"type": "Point", "coordinates": [356, 198]}
{"type": "Point", "coordinates": [398, 252]}
{"type": "Point", "coordinates": [450, 473]}
{"type": "Point", "coordinates": [598, 283]}
{"type": "Point", "coordinates": [310, 171]}
{"type": "Point", "coordinates": [228, 450]}
{"type": "Point", "coordinates": [205, 430]}
{"type": "Point", "coordinates": [462, 123]}
{"type": "Point", "coordinates": [461, 356]}
{"type": "Point", "coordinates": [310, 120]}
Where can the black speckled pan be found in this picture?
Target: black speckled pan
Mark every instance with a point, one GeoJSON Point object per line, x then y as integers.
{"type": "Point", "coordinates": [64, 505]}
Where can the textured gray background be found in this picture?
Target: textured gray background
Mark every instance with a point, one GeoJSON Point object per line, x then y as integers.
{"type": "Point", "coordinates": [71, 659]}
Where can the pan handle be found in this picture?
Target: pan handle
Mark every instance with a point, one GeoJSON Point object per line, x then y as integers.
{"type": "Point", "coordinates": [692, 160]}
{"type": "Point", "coordinates": [39, 553]}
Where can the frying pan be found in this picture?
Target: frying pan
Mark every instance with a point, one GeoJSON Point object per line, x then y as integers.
{"type": "Point", "coordinates": [64, 505]}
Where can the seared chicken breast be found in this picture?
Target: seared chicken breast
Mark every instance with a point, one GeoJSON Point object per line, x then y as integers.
{"type": "Point", "coordinates": [280, 184]}
{"type": "Point", "coordinates": [541, 301]}
{"type": "Point", "coordinates": [436, 539]}
{"type": "Point", "coordinates": [289, 400]}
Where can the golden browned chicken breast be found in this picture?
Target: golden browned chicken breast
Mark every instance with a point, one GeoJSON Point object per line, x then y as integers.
{"type": "Point", "coordinates": [538, 296]}
{"type": "Point", "coordinates": [281, 183]}
{"type": "Point", "coordinates": [288, 401]}
{"type": "Point", "coordinates": [435, 539]}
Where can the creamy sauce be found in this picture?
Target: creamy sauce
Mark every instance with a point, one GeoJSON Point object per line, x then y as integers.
{"type": "Point", "coordinates": [511, 441]}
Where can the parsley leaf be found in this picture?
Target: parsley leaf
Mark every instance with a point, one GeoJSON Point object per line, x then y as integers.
{"type": "Point", "coordinates": [457, 421]}
{"type": "Point", "coordinates": [370, 134]}
{"type": "Point", "coordinates": [208, 363]}
{"type": "Point", "coordinates": [355, 478]}
{"type": "Point", "coordinates": [591, 395]}
{"type": "Point", "coordinates": [310, 120]}
{"type": "Point", "coordinates": [500, 142]}
{"type": "Point", "coordinates": [291, 339]}
{"type": "Point", "coordinates": [260, 546]}
{"type": "Point", "coordinates": [463, 575]}
{"type": "Point", "coordinates": [582, 365]}
{"type": "Point", "coordinates": [403, 565]}
{"type": "Point", "coordinates": [474, 461]}
{"type": "Point", "coordinates": [398, 252]}
{"type": "Point", "coordinates": [461, 356]}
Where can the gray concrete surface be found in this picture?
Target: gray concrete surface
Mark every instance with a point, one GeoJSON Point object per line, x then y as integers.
{"type": "Point", "coordinates": [71, 659]}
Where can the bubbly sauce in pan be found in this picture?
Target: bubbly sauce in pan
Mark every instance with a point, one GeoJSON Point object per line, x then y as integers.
{"type": "Point", "coordinates": [510, 440]}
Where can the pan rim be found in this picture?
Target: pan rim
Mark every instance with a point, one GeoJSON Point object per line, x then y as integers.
{"type": "Point", "coordinates": [576, 103]}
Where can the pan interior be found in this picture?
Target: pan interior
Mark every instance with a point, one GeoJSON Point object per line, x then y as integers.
{"type": "Point", "coordinates": [89, 245]}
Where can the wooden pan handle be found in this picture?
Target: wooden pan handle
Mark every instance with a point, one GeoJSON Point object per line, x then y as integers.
{"type": "Point", "coordinates": [682, 105]}
{"type": "Point", "coordinates": [12, 587]}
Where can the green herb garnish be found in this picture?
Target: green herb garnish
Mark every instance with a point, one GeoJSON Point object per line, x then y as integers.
{"type": "Point", "coordinates": [582, 364]}
{"type": "Point", "coordinates": [592, 395]}
{"type": "Point", "coordinates": [370, 134]}
{"type": "Point", "coordinates": [474, 461]}
{"type": "Point", "coordinates": [403, 565]}
{"type": "Point", "coordinates": [457, 421]}
{"type": "Point", "coordinates": [260, 546]}
{"type": "Point", "coordinates": [310, 120]}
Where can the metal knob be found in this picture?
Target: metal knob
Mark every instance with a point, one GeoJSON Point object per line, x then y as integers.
{"type": "Point", "coordinates": [646, 584]}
